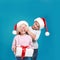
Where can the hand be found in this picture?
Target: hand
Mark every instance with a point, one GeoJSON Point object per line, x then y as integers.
{"type": "Point", "coordinates": [14, 50]}
{"type": "Point", "coordinates": [27, 29]}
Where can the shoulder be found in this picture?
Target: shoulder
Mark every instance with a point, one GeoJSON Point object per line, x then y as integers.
{"type": "Point", "coordinates": [37, 31]}
{"type": "Point", "coordinates": [16, 36]}
{"type": "Point", "coordinates": [28, 36]}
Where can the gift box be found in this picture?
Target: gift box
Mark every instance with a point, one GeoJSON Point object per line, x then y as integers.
{"type": "Point", "coordinates": [24, 52]}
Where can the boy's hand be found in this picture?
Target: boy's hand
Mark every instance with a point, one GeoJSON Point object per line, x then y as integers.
{"type": "Point", "coordinates": [27, 29]}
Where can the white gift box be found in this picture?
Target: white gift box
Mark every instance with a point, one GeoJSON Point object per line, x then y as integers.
{"type": "Point", "coordinates": [28, 53]}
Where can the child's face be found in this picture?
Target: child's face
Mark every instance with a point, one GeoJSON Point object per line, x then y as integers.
{"type": "Point", "coordinates": [36, 26]}
{"type": "Point", "coordinates": [22, 29]}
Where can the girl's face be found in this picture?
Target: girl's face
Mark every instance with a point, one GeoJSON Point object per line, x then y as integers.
{"type": "Point", "coordinates": [36, 26]}
{"type": "Point", "coordinates": [22, 28]}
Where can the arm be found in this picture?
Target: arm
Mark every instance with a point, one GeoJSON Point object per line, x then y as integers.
{"type": "Point", "coordinates": [35, 35]}
{"type": "Point", "coordinates": [32, 34]}
{"type": "Point", "coordinates": [31, 43]}
{"type": "Point", "coordinates": [28, 30]}
{"type": "Point", "coordinates": [14, 46]}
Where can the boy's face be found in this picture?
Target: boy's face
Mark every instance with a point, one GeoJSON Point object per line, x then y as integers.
{"type": "Point", "coordinates": [22, 29]}
{"type": "Point", "coordinates": [36, 26]}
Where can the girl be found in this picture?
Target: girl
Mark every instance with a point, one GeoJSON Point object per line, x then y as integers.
{"type": "Point", "coordinates": [22, 43]}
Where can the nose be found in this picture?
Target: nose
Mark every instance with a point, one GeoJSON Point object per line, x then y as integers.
{"type": "Point", "coordinates": [23, 27]}
{"type": "Point", "coordinates": [35, 26]}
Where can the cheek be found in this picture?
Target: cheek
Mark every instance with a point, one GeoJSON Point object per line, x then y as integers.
{"type": "Point", "coordinates": [18, 29]}
{"type": "Point", "coordinates": [36, 27]}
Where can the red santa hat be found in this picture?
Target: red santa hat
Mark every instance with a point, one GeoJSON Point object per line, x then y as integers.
{"type": "Point", "coordinates": [17, 25]}
{"type": "Point", "coordinates": [43, 24]}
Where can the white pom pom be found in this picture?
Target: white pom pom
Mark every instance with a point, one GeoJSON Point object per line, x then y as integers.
{"type": "Point", "coordinates": [14, 32]}
{"type": "Point", "coordinates": [47, 33]}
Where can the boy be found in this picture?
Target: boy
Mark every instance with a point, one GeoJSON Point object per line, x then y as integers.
{"type": "Point", "coordinates": [35, 31]}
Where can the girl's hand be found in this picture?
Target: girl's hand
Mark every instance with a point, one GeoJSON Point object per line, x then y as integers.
{"type": "Point", "coordinates": [14, 50]}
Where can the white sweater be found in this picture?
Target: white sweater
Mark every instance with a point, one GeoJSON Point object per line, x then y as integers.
{"type": "Point", "coordinates": [37, 33]}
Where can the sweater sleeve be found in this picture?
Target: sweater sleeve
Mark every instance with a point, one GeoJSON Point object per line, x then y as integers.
{"type": "Point", "coordinates": [36, 32]}
{"type": "Point", "coordinates": [14, 43]}
{"type": "Point", "coordinates": [37, 35]}
{"type": "Point", "coordinates": [31, 43]}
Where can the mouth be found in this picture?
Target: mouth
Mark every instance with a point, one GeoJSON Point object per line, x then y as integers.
{"type": "Point", "coordinates": [22, 32]}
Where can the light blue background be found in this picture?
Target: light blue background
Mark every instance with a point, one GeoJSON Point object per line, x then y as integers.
{"type": "Point", "coordinates": [13, 11]}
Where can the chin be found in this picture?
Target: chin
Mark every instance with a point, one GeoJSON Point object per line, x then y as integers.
{"type": "Point", "coordinates": [23, 33]}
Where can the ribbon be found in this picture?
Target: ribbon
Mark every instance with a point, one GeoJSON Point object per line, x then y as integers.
{"type": "Point", "coordinates": [23, 51]}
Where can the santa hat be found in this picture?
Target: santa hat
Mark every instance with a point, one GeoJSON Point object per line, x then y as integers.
{"type": "Point", "coordinates": [43, 24]}
{"type": "Point", "coordinates": [17, 25]}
